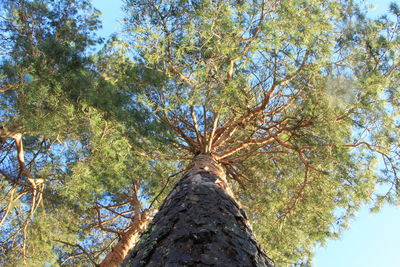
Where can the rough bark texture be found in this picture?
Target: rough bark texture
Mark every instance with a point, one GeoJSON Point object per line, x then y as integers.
{"type": "Point", "coordinates": [199, 224]}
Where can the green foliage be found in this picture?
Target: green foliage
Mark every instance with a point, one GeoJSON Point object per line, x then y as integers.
{"type": "Point", "coordinates": [298, 100]}
{"type": "Point", "coordinates": [308, 86]}
{"type": "Point", "coordinates": [83, 133]}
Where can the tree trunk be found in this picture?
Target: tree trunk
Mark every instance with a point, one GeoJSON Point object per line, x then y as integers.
{"type": "Point", "coordinates": [199, 224]}
{"type": "Point", "coordinates": [127, 239]}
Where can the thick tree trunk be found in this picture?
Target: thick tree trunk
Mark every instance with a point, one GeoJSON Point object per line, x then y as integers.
{"type": "Point", "coordinates": [199, 224]}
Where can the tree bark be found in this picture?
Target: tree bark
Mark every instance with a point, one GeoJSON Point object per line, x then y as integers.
{"type": "Point", "coordinates": [121, 249]}
{"type": "Point", "coordinates": [199, 224]}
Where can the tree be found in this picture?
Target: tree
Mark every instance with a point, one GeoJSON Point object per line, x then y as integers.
{"type": "Point", "coordinates": [283, 94]}
{"type": "Point", "coordinates": [61, 113]}
{"type": "Point", "coordinates": [295, 100]}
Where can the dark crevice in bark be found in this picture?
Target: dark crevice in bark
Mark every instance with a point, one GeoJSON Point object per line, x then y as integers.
{"type": "Point", "coordinates": [199, 224]}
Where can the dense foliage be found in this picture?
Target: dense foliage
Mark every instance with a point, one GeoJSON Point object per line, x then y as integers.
{"type": "Point", "coordinates": [298, 100]}
{"type": "Point", "coordinates": [81, 136]}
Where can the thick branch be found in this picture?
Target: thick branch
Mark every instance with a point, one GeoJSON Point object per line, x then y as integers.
{"type": "Point", "coordinates": [199, 137]}
{"type": "Point", "coordinates": [214, 128]}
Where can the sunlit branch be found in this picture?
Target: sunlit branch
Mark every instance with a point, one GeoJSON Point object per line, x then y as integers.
{"type": "Point", "coordinates": [101, 223]}
{"type": "Point", "coordinates": [8, 87]}
{"type": "Point", "coordinates": [199, 137]}
{"type": "Point", "coordinates": [37, 184]}
{"type": "Point", "coordinates": [205, 126]}
{"type": "Point", "coordinates": [71, 257]}
{"type": "Point", "coordinates": [214, 128]}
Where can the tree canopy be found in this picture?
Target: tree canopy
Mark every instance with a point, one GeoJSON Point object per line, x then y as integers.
{"type": "Point", "coordinates": [298, 101]}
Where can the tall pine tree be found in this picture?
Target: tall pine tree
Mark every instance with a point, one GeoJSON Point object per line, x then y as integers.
{"type": "Point", "coordinates": [280, 110]}
{"type": "Point", "coordinates": [295, 100]}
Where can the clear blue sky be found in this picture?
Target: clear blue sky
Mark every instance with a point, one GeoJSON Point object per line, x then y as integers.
{"type": "Point", "coordinates": [373, 240]}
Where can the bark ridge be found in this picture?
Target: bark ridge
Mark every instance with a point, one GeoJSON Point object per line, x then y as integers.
{"type": "Point", "coordinates": [199, 224]}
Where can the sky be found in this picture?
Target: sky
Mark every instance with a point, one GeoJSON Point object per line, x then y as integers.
{"type": "Point", "coordinates": [373, 239]}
